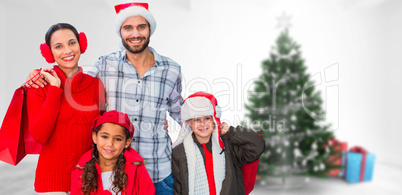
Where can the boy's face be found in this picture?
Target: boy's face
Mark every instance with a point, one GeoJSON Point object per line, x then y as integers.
{"type": "Point", "coordinates": [202, 128]}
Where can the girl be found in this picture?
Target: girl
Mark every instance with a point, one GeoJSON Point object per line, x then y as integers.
{"type": "Point", "coordinates": [208, 156]}
{"type": "Point", "coordinates": [112, 165]}
{"type": "Point", "coordinates": [61, 113]}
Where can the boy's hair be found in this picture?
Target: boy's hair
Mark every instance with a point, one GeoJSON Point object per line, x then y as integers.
{"type": "Point", "coordinates": [90, 175]}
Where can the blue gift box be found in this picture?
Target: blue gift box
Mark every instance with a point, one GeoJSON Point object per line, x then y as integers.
{"type": "Point", "coordinates": [342, 173]}
{"type": "Point", "coordinates": [353, 167]}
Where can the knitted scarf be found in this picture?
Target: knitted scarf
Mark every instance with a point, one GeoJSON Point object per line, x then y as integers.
{"type": "Point", "coordinates": [197, 176]}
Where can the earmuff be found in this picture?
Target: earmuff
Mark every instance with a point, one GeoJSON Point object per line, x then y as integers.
{"type": "Point", "coordinates": [47, 52]}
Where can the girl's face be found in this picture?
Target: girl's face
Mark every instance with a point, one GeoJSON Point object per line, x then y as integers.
{"type": "Point", "coordinates": [65, 49]}
{"type": "Point", "coordinates": [110, 142]}
{"type": "Point", "coordinates": [202, 128]}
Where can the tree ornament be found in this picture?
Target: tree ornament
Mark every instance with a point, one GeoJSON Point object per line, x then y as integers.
{"type": "Point", "coordinates": [322, 166]}
{"type": "Point", "coordinates": [314, 146]}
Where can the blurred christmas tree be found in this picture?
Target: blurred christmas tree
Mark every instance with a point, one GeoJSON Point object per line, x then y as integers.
{"type": "Point", "coordinates": [286, 109]}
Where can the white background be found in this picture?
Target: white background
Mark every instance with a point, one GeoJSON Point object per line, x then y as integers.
{"type": "Point", "coordinates": [222, 41]}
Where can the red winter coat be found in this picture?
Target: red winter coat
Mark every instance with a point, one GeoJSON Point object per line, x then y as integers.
{"type": "Point", "coordinates": [139, 181]}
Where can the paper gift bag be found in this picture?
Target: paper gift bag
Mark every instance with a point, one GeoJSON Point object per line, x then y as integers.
{"type": "Point", "coordinates": [12, 148]}
{"type": "Point", "coordinates": [15, 139]}
{"type": "Point", "coordinates": [249, 172]}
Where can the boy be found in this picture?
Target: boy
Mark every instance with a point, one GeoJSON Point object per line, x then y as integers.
{"type": "Point", "coordinates": [208, 156]}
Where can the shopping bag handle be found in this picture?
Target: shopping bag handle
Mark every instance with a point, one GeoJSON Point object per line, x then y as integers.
{"type": "Point", "coordinates": [23, 85]}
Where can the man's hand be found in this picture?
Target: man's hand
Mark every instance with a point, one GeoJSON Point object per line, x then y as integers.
{"type": "Point", "coordinates": [39, 82]}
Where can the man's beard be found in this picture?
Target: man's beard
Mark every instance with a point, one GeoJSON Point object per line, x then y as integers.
{"type": "Point", "coordinates": [133, 50]}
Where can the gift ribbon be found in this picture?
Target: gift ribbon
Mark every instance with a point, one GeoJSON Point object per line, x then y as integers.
{"type": "Point", "coordinates": [362, 151]}
{"type": "Point", "coordinates": [31, 79]}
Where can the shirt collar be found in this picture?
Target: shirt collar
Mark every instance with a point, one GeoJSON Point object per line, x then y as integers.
{"type": "Point", "coordinates": [157, 57]}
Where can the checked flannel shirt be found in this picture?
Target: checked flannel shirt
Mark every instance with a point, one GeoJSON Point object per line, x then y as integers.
{"type": "Point", "coordinates": [146, 101]}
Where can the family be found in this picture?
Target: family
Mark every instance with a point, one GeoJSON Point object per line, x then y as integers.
{"type": "Point", "coordinates": [105, 131]}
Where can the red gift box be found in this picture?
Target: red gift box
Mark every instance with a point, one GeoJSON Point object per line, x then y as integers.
{"type": "Point", "coordinates": [336, 159]}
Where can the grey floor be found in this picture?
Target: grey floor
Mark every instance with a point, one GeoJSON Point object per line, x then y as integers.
{"type": "Point", "coordinates": [18, 180]}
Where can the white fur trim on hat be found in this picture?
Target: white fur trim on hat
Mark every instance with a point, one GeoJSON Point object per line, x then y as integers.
{"type": "Point", "coordinates": [196, 107]}
{"type": "Point", "coordinates": [134, 11]}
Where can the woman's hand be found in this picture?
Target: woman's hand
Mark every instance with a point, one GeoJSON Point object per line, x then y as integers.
{"type": "Point", "coordinates": [51, 77]}
{"type": "Point", "coordinates": [224, 128]}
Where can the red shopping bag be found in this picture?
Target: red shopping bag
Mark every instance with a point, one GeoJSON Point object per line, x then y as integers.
{"type": "Point", "coordinates": [15, 139]}
{"type": "Point", "coordinates": [249, 172]}
{"type": "Point", "coordinates": [249, 175]}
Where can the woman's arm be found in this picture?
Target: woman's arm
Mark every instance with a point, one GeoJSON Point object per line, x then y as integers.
{"type": "Point", "coordinates": [42, 112]}
{"type": "Point", "coordinates": [43, 109]}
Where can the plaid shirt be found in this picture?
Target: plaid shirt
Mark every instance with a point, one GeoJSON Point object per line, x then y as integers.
{"type": "Point", "coordinates": [146, 101]}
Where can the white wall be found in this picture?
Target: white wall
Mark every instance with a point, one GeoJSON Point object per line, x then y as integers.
{"type": "Point", "coordinates": [222, 43]}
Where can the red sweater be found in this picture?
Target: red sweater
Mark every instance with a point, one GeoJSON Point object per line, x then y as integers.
{"type": "Point", "coordinates": [60, 120]}
{"type": "Point", "coordinates": [138, 181]}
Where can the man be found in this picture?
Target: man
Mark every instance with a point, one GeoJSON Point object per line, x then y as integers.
{"type": "Point", "coordinates": [145, 85]}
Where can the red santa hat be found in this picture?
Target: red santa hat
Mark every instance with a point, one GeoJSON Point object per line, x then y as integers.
{"type": "Point", "coordinates": [197, 105]}
{"type": "Point", "coordinates": [127, 10]}
{"type": "Point", "coordinates": [116, 118]}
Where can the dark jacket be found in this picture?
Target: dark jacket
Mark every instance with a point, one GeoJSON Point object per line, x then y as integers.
{"type": "Point", "coordinates": [242, 146]}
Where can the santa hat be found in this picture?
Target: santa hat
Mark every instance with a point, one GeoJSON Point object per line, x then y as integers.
{"type": "Point", "coordinates": [127, 10]}
{"type": "Point", "coordinates": [197, 105]}
{"type": "Point", "coordinates": [116, 118]}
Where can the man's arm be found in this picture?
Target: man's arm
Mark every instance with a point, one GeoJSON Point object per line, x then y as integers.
{"type": "Point", "coordinates": [94, 70]}
{"type": "Point", "coordinates": [35, 79]}
{"type": "Point", "coordinates": [176, 100]}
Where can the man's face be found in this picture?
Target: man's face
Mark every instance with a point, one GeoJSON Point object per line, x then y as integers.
{"type": "Point", "coordinates": [135, 34]}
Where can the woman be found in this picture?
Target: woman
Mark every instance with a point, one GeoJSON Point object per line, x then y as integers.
{"type": "Point", "coordinates": [61, 113]}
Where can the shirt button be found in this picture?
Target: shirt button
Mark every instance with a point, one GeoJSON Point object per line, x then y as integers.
{"type": "Point", "coordinates": [136, 100]}
{"type": "Point", "coordinates": [135, 119]}
{"type": "Point", "coordinates": [139, 81]}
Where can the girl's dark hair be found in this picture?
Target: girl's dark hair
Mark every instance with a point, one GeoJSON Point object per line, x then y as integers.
{"type": "Point", "coordinates": [59, 26]}
{"type": "Point", "coordinates": [90, 175]}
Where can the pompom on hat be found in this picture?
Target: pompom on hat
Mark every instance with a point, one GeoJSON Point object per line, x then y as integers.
{"type": "Point", "coordinates": [127, 10]}
{"type": "Point", "coordinates": [197, 105]}
{"type": "Point", "coordinates": [116, 118]}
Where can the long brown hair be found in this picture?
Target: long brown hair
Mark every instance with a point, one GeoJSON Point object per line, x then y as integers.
{"type": "Point", "coordinates": [90, 175]}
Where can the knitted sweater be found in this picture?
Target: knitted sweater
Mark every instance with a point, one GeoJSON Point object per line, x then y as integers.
{"type": "Point", "coordinates": [60, 120]}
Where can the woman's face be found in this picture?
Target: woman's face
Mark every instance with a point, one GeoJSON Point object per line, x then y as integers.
{"type": "Point", "coordinates": [110, 142]}
{"type": "Point", "coordinates": [202, 128]}
{"type": "Point", "coordinates": [65, 49]}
